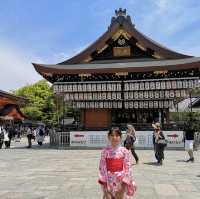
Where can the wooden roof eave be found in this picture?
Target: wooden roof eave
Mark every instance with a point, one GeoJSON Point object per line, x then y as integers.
{"type": "Point", "coordinates": [149, 43]}
{"type": "Point", "coordinates": [42, 69]}
{"type": "Point", "coordinates": [17, 99]}
{"type": "Point", "coordinates": [98, 44]}
{"type": "Point", "coordinates": [133, 32]}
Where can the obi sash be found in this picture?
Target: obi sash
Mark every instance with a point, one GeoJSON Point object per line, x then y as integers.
{"type": "Point", "coordinates": [114, 164]}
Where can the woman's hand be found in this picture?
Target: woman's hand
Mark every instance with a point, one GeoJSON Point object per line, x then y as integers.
{"type": "Point", "coordinates": [120, 193]}
{"type": "Point", "coordinates": [107, 195]}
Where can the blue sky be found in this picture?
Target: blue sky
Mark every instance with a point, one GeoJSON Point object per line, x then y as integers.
{"type": "Point", "coordinates": [50, 31]}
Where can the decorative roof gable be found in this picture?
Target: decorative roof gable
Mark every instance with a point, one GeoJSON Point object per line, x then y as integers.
{"type": "Point", "coordinates": [121, 41]}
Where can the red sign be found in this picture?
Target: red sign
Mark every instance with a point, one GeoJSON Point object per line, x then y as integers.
{"type": "Point", "coordinates": [173, 135]}
{"type": "Point", "coordinates": [78, 135]}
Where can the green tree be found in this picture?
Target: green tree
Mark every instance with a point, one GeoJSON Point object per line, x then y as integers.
{"type": "Point", "coordinates": [41, 105]}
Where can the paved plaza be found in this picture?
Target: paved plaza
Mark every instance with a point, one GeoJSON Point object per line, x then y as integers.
{"type": "Point", "coordinates": [43, 173]}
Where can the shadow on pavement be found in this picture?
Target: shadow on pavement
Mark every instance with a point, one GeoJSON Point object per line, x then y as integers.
{"type": "Point", "coordinates": [181, 161]}
{"type": "Point", "coordinates": [152, 163]}
{"type": "Point", "coordinates": [45, 146]}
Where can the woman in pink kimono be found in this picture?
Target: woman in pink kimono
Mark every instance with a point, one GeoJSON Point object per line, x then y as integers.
{"type": "Point", "coordinates": [115, 174]}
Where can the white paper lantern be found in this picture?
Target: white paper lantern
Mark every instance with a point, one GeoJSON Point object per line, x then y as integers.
{"type": "Point", "coordinates": [126, 95]}
{"type": "Point", "coordinates": [136, 86]}
{"type": "Point", "coordinates": [152, 85]}
{"type": "Point", "coordinates": [168, 85]}
{"type": "Point", "coordinates": [190, 83]}
{"type": "Point", "coordinates": [140, 94]}
{"type": "Point", "coordinates": [162, 94]}
{"type": "Point", "coordinates": [109, 87]}
{"type": "Point", "coordinates": [162, 85]}
{"type": "Point", "coordinates": [185, 84]}
{"type": "Point", "coordinates": [141, 85]}
{"type": "Point", "coordinates": [166, 104]}
{"type": "Point", "coordinates": [80, 87]}
{"type": "Point", "coordinates": [174, 85]}
{"type": "Point", "coordinates": [118, 95]}
{"type": "Point", "coordinates": [94, 87]}
{"type": "Point", "coordinates": [150, 104]}
{"type": "Point", "coordinates": [151, 94]}
{"type": "Point", "coordinates": [179, 84]}
{"type": "Point", "coordinates": [146, 85]}
{"type": "Point", "coordinates": [136, 104]}
{"type": "Point", "coordinates": [131, 95]}
{"type": "Point", "coordinates": [113, 95]}
{"type": "Point", "coordinates": [98, 87]}
{"type": "Point", "coordinates": [113, 87]}
{"type": "Point", "coordinates": [146, 94]}
{"type": "Point", "coordinates": [141, 105]}
{"type": "Point", "coordinates": [126, 86]}
{"type": "Point", "coordinates": [160, 104]}
{"type": "Point", "coordinates": [126, 105]}
{"type": "Point", "coordinates": [104, 96]}
{"type": "Point", "coordinates": [89, 87]}
{"type": "Point", "coordinates": [136, 95]}
{"type": "Point", "coordinates": [118, 87]}
{"type": "Point", "coordinates": [178, 93]}
{"type": "Point", "coordinates": [76, 97]}
{"type": "Point", "coordinates": [155, 104]}
{"type": "Point", "coordinates": [166, 94]}
{"type": "Point", "coordinates": [146, 104]}
{"type": "Point", "coordinates": [156, 93]}
{"type": "Point", "coordinates": [131, 104]}
{"type": "Point", "coordinates": [157, 85]}
{"type": "Point", "coordinates": [171, 94]}
{"type": "Point", "coordinates": [109, 96]}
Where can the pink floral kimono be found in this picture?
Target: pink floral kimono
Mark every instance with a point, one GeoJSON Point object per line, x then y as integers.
{"type": "Point", "coordinates": [115, 169]}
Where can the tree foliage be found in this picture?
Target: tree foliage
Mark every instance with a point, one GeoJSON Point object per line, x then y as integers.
{"type": "Point", "coordinates": [41, 105]}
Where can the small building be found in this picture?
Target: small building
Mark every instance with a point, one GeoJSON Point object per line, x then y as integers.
{"type": "Point", "coordinates": [10, 106]}
{"type": "Point", "coordinates": [188, 105]}
{"type": "Point", "coordinates": [123, 77]}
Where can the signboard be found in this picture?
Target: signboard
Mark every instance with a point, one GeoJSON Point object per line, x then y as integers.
{"type": "Point", "coordinates": [78, 138]}
{"type": "Point", "coordinates": [97, 138]}
{"type": "Point", "coordinates": [144, 139]}
{"type": "Point", "coordinates": [174, 138]}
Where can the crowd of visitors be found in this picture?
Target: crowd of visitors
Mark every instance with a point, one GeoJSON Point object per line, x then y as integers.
{"type": "Point", "coordinates": [10, 133]}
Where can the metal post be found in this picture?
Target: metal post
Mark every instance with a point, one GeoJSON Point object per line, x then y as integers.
{"type": "Point", "coordinates": [190, 92]}
{"type": "Point", "coordinates": [63, 122]}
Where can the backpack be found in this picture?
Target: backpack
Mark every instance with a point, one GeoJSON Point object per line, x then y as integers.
{"type": "Point", "coordinates": [41, 132]}
{"type": "Point", "coordinates": [1, 134]}
{"type": "Point", "coordinates": [129, 141]}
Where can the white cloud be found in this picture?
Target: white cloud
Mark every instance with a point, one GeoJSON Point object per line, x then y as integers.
{"type": "Point", "coordinates": [16, 69]}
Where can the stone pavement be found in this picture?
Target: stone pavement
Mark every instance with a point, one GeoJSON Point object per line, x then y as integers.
{"type": "Point", "coordinates": [43, 173]}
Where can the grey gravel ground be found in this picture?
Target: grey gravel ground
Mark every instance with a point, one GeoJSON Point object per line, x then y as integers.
{"type": "Point", "coordinates": [43, 173]}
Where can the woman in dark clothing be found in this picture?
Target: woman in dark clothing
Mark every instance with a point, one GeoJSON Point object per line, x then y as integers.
{"type": "Point", "coordinates": [159, 143]}
{"type": "Point", "coordinates": [129, 141]}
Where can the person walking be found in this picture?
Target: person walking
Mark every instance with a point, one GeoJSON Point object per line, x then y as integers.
{"type": "Point", "coordinates": [115, 172]}
{"type": "Point", "coordinates": [29, 136]}
{"type": "Point", "coordinates": [189, 139]}
{"type": "Point", "coordinates": [6, 138]}
{"type": "Point", "coordinates": [130, 140]}
{"type": "Point", "coordinates": [1, 136]}
{"type": "Point", "coordinates": [40, 135]}
{"type": "Point", "coordinates": [159, 143]}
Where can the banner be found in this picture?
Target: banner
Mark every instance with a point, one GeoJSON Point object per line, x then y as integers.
{"type": "Point", "coordinates": [78, 138]}
{"type": "Point", "coordinates": [144, 139]}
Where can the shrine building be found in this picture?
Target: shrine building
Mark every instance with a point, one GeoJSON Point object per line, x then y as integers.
{"type": "Point", "coordinates": [123, 77]}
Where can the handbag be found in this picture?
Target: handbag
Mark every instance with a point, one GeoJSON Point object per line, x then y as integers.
{"type": "Point", "coordinates": [162, 142]}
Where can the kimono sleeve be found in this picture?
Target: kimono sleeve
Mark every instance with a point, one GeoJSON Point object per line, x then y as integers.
{"type": "Point", "coordinates": [102, 169]}
{"type": "Point", "coordinates": [128, 176]}
{"type": "Point", "coordinates": [127, 168]}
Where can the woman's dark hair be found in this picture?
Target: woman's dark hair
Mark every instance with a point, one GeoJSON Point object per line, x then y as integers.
{"type": "Point", "coordinates": [116, 130]}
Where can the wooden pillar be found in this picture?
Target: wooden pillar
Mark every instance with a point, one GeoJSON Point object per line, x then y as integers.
{"type": "Point", "coordinates": [167, 116]}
